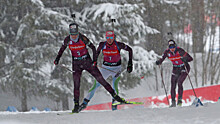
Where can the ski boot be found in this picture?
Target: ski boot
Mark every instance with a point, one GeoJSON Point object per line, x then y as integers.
{"type": "Point", "coordinates": [114, 107]}
{"type": "Point", "coordinates": [76, 107]}
{"type": "Point", "coordinates": [179, 102]}
{"type": "Point", "coordinates": [84, 104]}
{"type": "Point", "coordinates": [117, 98]}
{"type": "Point", "coordinates": [173, 104]}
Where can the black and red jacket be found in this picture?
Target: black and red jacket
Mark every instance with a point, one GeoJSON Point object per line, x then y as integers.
{"type": "Point", "coordinates": [175, 57]}
{"type": "Point", "coordinates": [111, 52]}
{"type": "Point", "coordinates": [78, 49]}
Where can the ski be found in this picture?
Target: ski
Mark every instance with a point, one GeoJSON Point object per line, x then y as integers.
{"type": "Point", "coordinates": [69, 113]}
{"type": "Point", "coordinates": [117, 103]}
{"type": "Point", "coordinates": [128, 102]}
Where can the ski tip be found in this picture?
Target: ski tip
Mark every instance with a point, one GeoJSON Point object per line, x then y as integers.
{"type": "Point", "coordinates": [128, 102]}
{"type": "Point", "coordinates": [69, 113]}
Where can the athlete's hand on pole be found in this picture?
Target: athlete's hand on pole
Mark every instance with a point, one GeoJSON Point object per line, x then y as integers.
{"type": "Point", "coordinates": [56, 61]}
{"type": "Point", "coordinates": [157, 62]}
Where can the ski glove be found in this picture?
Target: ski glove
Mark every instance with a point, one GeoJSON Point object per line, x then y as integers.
{"type": "Point", "coordinates": [157, 62]}
{"type": "Point", "coordinates": [184, 59]}
{"type": "Point", "coordinates": [56, 61]}
{"type": "Point", "coordinates": [130, 66]}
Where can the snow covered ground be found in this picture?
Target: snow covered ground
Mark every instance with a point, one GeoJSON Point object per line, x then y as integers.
{"type": "Point", "coordinates": [207, 114]}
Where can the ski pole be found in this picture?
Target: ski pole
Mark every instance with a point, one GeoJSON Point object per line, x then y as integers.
{"type": "Point", "coordinates": [107, 69]}
{"type": "Point", "coordinates": [161, 73]}
{"type": "Point", "coordinates": [120, 72]}
{"type": "Point", "coordinates": [117, 73]}
{"type": "Point", "coordinates": [66, 68]}
{"type": "Point", "coordinates": [190, 80]}
{"type": "Point", "coordinates": [197, 99]}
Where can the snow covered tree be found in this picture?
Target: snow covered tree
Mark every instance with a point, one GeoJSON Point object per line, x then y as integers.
{"type": "Point", "coordinates": [129, 28]}
{"type": "Point", "coordinates": [2, 56]}
{"type": "Point", "coordinates": [32, 57]}
{"type": "Point", "coordinates": [37, 33]}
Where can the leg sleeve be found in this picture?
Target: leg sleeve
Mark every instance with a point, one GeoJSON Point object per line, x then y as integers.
{"type": "Point", "coordinates": [115, 84]}
{"type": "Point", "coordinates": [116, 78]}
{"type": "Point", "coordinates": [92, 91]}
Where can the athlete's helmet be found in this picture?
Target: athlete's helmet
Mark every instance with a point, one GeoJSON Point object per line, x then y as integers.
{"type": "Point", "coordinates": [73, 27]}
{"type": "Point", "coordinates": [172, 44]}
{"type": "Point", "coordinates": [110, 34]}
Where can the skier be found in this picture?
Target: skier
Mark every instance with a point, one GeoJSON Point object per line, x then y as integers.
{"type": "Point", "coordinates": [180, 60]}
{"type": "Point", "coordinates": [81, 60]}
{"type": "Point", "coordinates": [111, 65]}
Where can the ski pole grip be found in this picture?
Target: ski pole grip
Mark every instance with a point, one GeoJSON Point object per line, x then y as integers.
{"type": "Point", "coordinates": [73, 15]}
{"type": "Point", "coordinates": [113, 20]}
{"type": "Point", "coordinates": [169, 33]}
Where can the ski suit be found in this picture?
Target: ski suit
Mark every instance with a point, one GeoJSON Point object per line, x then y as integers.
{"type": "Point", "coordinates": [112, 61]}
{"type": "Point", "coordinates": [81, 60]}
{"type": "Point", "coordinates": [179, 73]}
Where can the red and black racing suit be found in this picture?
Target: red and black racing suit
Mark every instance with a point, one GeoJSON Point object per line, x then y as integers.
{"type": "Point", "coordinates": [179, 73]}
{"type": "Point", "coordinates": [111, 52]}
{"type": "Point", "coordinates": [81, 60]}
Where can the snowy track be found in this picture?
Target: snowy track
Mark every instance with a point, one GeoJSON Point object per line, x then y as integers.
{"type": "Point", "coordinates": [209, 114]}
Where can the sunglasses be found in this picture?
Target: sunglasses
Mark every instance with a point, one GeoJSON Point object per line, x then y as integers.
{"type": "Point", "coordinates": [109, 37]}
{"type": "Point", "coordinates": [74, 33]}
{"type": "Point", "coordinates": [172, 47]}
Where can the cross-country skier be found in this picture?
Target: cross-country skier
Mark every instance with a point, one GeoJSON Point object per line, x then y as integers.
{"type": "Point", "coordinates": [111, 65]}
{"type": "Point", "coordinates": [180, 60]}
{"type": "Point", "coordinates": [81, 60]}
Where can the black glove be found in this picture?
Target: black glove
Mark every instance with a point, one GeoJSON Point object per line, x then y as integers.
{"type": "Point", "coordinates": [184, 59]}
{"type": "Point", "coordinates": [56, 61]}
{"type": "Point", "coordinates": [94, 63]}
{"type": "Point", "coordinates": [157, 62]}
{"type": "Point", "coordinates": [130, 66]}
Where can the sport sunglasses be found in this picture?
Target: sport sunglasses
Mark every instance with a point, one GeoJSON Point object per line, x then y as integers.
{"type": "Point", "coordinates": [74, 33]}
{"type": "Point", "coordinates": [109, 37]}
{"type": "Point", "coordinates": [172, 46]}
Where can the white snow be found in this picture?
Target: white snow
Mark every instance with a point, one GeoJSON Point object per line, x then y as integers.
{"type": "Point", "coordinates": [7, 60]}
{"type": "Point", "coordinates": [172, 1]}
{"type": "Point", "coordinates": [48, 32]}
{"type": "Point", "coordinates": [38, 3]}
{"type": "Point", "coordinates": [2, 33]}
{"type": "Point", "coordinates": [207, 114]}
{"type": "Point", "coordinates": [143, 60]}
{"type": "Point", "coordinates": [20, 30]}
{"type": "Point", "coordinates": [47, 68]}
{"type": "Point", "coordinates": [120, 12]}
